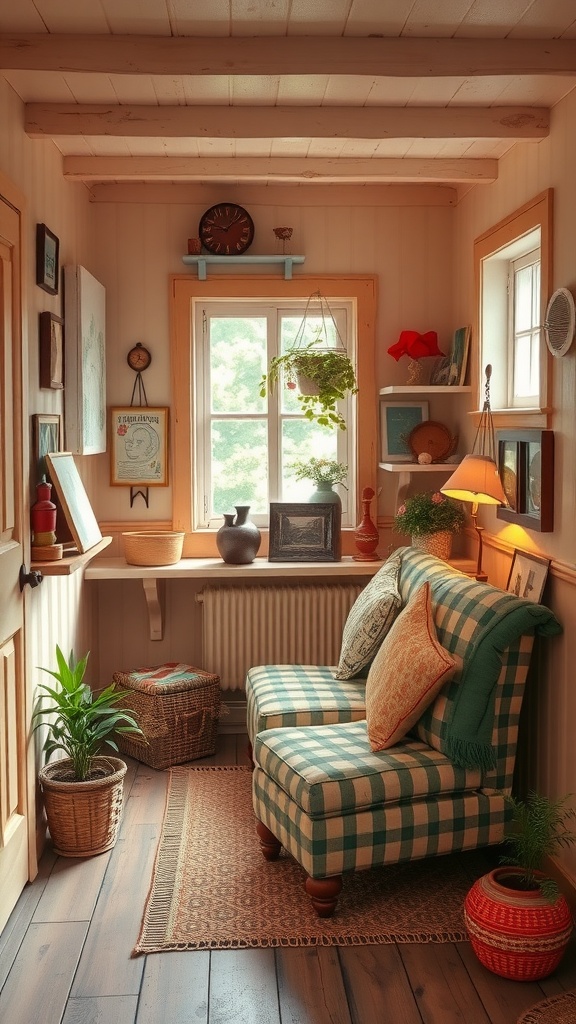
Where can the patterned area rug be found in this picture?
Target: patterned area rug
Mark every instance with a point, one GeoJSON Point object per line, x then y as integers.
{"type": "Point", "coordinates": [557, 1010]}
{"type": "Point", "coordinates": [212, 889]}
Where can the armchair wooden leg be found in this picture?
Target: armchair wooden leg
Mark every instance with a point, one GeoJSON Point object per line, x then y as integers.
{"type": "Point", "coordinates": [269, 845]}
{"type": "Point", "coordinates": [250, 753]}
{"type": "Point", "coordinates": [324, 893]}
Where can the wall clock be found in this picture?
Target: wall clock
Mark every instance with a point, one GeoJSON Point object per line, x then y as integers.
{"type": "Point", "coordinates": [226, 229]}
{"type": "Point", "coordinates": [138, 358]}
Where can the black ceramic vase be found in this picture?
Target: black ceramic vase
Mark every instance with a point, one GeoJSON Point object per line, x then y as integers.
{"type": "Point", "coordinates": [238, 540]}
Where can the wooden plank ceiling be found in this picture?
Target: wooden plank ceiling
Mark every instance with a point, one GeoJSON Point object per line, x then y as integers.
{"type": "Point", "coordinates": [288, 91]}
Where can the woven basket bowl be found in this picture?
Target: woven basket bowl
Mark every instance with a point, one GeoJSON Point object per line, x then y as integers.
{"type": "Point", "coordinates": [518, 935]}
{"type": "Point", "coordinates": [148, 548]}
{"type": "Point", "coordinates": [83, 817]}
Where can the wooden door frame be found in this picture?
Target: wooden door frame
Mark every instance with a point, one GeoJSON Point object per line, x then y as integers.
{"type": "Point", "coordinates": [11, 194]}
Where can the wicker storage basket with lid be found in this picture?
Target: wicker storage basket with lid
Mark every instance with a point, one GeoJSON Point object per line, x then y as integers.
{"type": "Point", "coordinates": [177, 708]}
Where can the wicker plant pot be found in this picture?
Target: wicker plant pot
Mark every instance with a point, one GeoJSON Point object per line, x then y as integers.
{"type": "Point", "coordinates": [516, 934]}
{"type": "Point", "coordinates": [83, 817]}
{"type": "Point", "coordinates": [439, 544]}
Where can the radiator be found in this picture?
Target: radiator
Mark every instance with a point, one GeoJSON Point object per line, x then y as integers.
{"type": "Point", "coordinates": [246, 626]}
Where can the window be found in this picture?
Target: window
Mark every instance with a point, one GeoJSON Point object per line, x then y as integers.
{"type": "Point", "coordinates": [246, 444]}
{"type": "Point", "coordinates": [223, 435]}
{"type": "Point", "coordinates": [514, 278]}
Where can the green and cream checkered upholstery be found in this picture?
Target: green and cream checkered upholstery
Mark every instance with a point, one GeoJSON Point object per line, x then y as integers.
{"type": "Point", "coordinates": [335, 804]}
{"type": "Point", "coordinates": [296, 695]}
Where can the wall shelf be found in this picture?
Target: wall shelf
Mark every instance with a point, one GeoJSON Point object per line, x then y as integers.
{"type": "Point", "coordinates": [203, 262]}
{"type": "Point", "coordinates": [72, 560]}
{"type": "Point", "coordinates": [426, 389]}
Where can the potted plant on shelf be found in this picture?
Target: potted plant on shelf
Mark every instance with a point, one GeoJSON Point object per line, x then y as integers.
{"type": "Point", "coordinates": [430, 518]}
{"type": "Point", "coordinates": [325, 473]}
{"type": "Point", "coordinates": [83, 791]}
{"type": "Point", "coordinates": [323, 376]}
{"type": "Point", "coordinates": [518, 921]}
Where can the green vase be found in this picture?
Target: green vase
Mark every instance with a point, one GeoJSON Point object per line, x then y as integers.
{"type": "Point", "coordinates": [325, 494]}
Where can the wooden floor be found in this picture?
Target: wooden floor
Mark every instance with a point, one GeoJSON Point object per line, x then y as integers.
{"type": "Point", "coordinates": [65, 954]}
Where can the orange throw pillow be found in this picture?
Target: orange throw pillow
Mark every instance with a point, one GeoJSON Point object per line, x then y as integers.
{"type": "Point", "coordinates": [406, 674]}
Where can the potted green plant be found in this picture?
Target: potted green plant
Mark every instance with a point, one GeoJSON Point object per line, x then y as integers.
{"type": "Point", "coordinates": [519, 922]}
{"type": "Point", "coordinates": [324, 377]}
{"type": "Point", "coordinates": [83, 791]}
{"type": "Point", "coordinates": [324, 473]}
{"type": "Point", "coordinates": [430, 518]}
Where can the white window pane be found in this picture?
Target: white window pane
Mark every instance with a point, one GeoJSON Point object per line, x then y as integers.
{"type": "Point", "coordinates": [237, 362]}
{"type": "Point", "coordinates": [536, 321]}
{"type": "Point", "coordinates": [239, 465]}
{"type": "Point", "coordinates": [303, 440]}
{"type": "Point", "coordinates": [312, 329]}
{"type": "Point", "coordinates": [522, 375]}
{"type": "Point", "coordinates": [523, 299]}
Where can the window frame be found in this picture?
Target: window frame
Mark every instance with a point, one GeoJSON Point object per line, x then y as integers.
{"type": "Point", "coordinates": [535, 215]}
{"type": "Point", "coordinates": [184, 290]}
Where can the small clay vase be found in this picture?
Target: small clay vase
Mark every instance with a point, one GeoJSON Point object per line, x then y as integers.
{"type": "Point", "coordinates": [238, 540]}
{"type": "Point", "coordinates": [325, 494]}
{"type": "Point", "coordinates": [366, 536]}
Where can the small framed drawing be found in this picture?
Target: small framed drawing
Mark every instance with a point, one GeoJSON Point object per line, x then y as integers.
{"type": "Point", "coordinates": [47, 259]}
{"type": "Point", "coordinates": [46, 438]}
{"type": "Point", "coordinates": [526, 467]}
{"type": "Point", "coordinates": [304, 532]}
{"type": "Point", "coordinates": [459, 356]}
{"type": "Point", "coordinates": [51, 337]}
{"type": "Point", "coordinates": [397, 420]}
{"type": "Point", "coordinates": [139, 448]}
{"type": "Point", "coordinates": [527, 577]}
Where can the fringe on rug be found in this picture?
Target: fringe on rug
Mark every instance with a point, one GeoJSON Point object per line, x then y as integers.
{"type": "Point", "coordinates": [555, 1010]}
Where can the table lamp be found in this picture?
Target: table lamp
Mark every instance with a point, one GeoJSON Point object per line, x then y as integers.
{"type": "Point", "coordinates": [476, 478]}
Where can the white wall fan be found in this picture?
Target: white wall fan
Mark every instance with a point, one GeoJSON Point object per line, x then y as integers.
{"type": "Point", "coordinates": [560, 322]}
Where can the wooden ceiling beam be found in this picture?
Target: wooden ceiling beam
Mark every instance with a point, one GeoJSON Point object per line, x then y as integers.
{"type": "Point", "coordinates": [43, 120]}
{"type": "Point", "coordinates": [296, 55]}
{"type": "Point", "coordinates": [278, 169]}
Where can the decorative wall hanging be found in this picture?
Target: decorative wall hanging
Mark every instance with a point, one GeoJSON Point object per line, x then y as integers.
{"type": "Point", "coordinates": [526, 467]}
{"type": "Point", "coordinates": [85, 406]}
{"type": "Point", "coordinates": [47, 259]}
{"type": "Point", "coordinates": [51, 361]}
{"type": "Point", "coordinates": [397, 420]}
{"type": "Point", "coordinates": [139, 446]}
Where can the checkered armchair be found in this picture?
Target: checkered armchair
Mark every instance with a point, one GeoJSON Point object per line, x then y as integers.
{"type": "Point", "coordinates": [336, 805]}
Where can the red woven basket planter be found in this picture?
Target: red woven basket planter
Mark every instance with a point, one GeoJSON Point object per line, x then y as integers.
{"type": "Point", "coordinates": [516, 934]}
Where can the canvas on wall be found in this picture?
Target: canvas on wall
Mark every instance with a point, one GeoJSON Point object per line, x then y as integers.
{"type": "Point", "coordinates": [85, 340]}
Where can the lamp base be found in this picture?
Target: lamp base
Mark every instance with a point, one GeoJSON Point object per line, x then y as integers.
{"type": "Point", "coordinates": [480, 575]}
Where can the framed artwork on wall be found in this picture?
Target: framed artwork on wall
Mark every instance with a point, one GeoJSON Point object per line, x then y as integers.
{"type": "Point", "coordinates": [528, 575]}
{"type": "Point", "coordinates": [74, 500]}
{"type": "Point", "coordinates": [458, 358]}
{"type": "Point", "coordinates": [139, 446]}
{"type": "Point", "coordinates": [397, 420]}
{"type": "Point", "coordinates": [51, 338]}
{"type": "Point", "coordinates": [85, 405]}
{"type": "Point", "coordinates": [304, 532]}
{"type": "Point", "coordinates": [526, 466]}
{"type": "Point", "coordinates": [47, 259]}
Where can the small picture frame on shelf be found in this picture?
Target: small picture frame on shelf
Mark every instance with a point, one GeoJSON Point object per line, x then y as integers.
{"type": "Point", "coordinates": [46, 438]}
{"type": "Point", "coordinates": [397, 420]}
{"type": "Point", "coordinates": [528, 574]}
{"type": "Point", "coordinates": [459, 356]}
{"type": "Point", "coordinates": [47, 259]}
{"type": "Point", "coordinates": [526, 466]}
{"type": "Point", "coordinates": [304, 532]}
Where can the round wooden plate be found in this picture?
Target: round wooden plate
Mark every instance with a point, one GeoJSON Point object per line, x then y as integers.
{"type": "Point", "coordinates": [432, 437]}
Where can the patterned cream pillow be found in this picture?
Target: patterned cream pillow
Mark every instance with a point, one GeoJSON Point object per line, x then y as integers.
{"type": "Point", "coordinates": [369, 619]}
{"type": "Point", "coordinates": [406, 674]}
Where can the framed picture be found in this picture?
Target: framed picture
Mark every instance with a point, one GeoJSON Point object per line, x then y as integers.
{"type": "Point", "coordinates": [304, 532]}
{"type": "Point", "coordinates": [526, 466]}
{"type": "Point", "coordinates": [440, 372]}
{"type": "Point", "coordinates": [397, 420]}
{"type": "Point", "coordinates": [459, 356]}
{"type": "Point", "coordinates": [528, 576]}
{"type": "Point", "coordinates": [139, 446]}
{"type": "Point", "coordinates": [74, 500]}
{"type": "Point", "coordinates": [46, 438]}
{"type": "Point", "coordinates": [47, 259]}
{"type": "Point", "coordinates": [51, 337]}
{"type": "Point", "coordinates": [85, 409]}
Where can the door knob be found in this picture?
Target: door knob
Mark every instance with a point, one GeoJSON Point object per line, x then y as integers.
{"type": "Point", "coordinates": [32, 578]}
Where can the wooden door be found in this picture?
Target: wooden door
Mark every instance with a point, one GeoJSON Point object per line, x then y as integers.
{"type": "Point", "coordinates": [16, 866]}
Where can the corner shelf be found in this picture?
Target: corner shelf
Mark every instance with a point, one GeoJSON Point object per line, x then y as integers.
{"type": "Point", "coordinates": [72, 560]}
{"type": "Point", "coordinates": [202, 262]}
